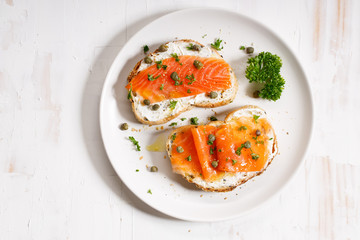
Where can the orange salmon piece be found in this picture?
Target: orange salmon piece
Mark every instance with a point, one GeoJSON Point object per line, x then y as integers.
{"type": "Point", "coordinates": [232, 154]}
{"type": "Point", "coordinates": [154, 83]}
{"type": "Point", "coordinates": [204, 152]}
{"type": "Point", "coordinates": [180, 161]}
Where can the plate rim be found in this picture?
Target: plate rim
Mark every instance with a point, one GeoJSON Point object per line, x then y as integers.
{"type": "Point", "coordinates": [311, 117]}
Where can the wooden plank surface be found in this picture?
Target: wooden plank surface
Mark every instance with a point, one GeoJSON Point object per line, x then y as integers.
{"type": "Point", "coordinates": [55, 179]}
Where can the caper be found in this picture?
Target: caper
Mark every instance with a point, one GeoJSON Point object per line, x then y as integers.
{"type": "Point", "coordinates": [211, 137]}
{"type": "Point", "coordinates": [195, 47]}
{"type": "Point", "coordinates": [179, 149]}
{"type": "Point", "coordinates": [124, 126]}
{"type": "Point", "coordinates": [258, 132]}
{"type": "Point", "coordinates": [249, 50]}
{"type": "Point", "coordinates": [155, 107]}
{"type": "Point", "coordinates": [163, 48]}
{"type": "Point", "coordinates": [214, 164]}
{"type": "Point", "coordinates": [153, 169]}
{"type": "Point", "coordinates": [247, 144]}
{"type": "Point", "coordinates": [256, 94]}
{"type": "Point", "coordinates": [213, 95]}
{"type": "Point", "coordinates": [174, 76]}
{"type": "Point", "coordinates": [198, 64]}
{"type": "Point", "coordinates": [146, 102]}
{"type": "Point", "coordinates": [148, 60]}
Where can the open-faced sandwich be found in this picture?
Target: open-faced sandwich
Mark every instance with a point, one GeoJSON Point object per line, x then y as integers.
{"type": "Point", "coordinates": [222, 155]}
{"type": "Point", "coordinates": [177, 76]}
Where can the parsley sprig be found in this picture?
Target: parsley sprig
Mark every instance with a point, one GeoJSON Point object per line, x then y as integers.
{"type": "Point", "coordinates": [217, 44]}
{"type": "Point", "coordinates": [160, 65]}
{"type": "Point", "coordinates": [265, 68]}
{"type": "Point", "coordinates": [191, 78]}
{"type": "Point", "coordinates": [177, 59]}
{"type": "Point", "coordinates": [146, 49]}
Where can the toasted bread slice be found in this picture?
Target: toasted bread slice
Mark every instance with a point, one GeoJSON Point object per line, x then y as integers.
{"type": "Point", "coordinates": [145, 114]}
{"type": "Point", "coordinates": [228, 180]}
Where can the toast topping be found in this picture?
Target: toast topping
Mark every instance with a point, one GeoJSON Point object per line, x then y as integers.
{"type": "Point", "coordinates": [158, 84]}
{"type": "Point", "coordinates": [235, 146]}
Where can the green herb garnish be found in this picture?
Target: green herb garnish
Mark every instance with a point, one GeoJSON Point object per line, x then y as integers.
{"type": "Point", "coordinates": [217, 44]}
{"type": "Point", "coordinates": [233, 161]}
{"type": "Point", "coordinates": [152, 78]}
{"type": "Point", "coordinates": [173, 137]}
{"type": "Point", "coordinates": [188, 158]}
{"type": "Point", "coordinates": [173, 124]}
{"type": "Point", "coordinates": [146, 49]}
{"type": "Point", "coordinates": [212, 150]}
{"type": "Point", "coordinates": [177, 59]}
{"type": "Point", "coordinates": [149, 191]}
{"type": "Point", "coordinates": [270, 138]}
{"type": "Point", "coordinates": [172, 104]}
{"type": "Point", "coordinates": [162, 87]}
{"type": "Point", "coordinates": [191, 78]}
{"type": "Point", "coordinates": [203, 36]}
{"type": "Point", "coordinates": [190, 47]}
{"type": "Point", "coordinates": [129, 96]}
{"type": "Point", "coordinates": [238, 150]}
{"type": "Point", "coordinates": [256, 117]}
{"type": "Point", "coordinates": [213, 118]}
{"type": "Point", "coordinates": [183, 119]}
{"type": "Point", "coordinates": [188, 91]}
{"type": "Point", "coordinates": [137, 170]}
{"type": "Point", "coordinates": [220, 150]}
{"type": "Point", "coordinates": [242, 47]}
{"type": "Point", "coordinates": [136, 143]}
{"type": "Point", "coordinates": [255, 156]}
{"type": "Point", "coordinates": [265, 68]}
{"type": "Point", "coordinates": [194, 121]}
{"type": "Point", "coordinates": [160, 65]}
{"type": "Point", "coordinates": [242, 128]}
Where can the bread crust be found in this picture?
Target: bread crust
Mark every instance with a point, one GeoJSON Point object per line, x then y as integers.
{"type": "Point", "coordinates": [219, 103]}
{"type": "Point", "coordinates": [190, 178]}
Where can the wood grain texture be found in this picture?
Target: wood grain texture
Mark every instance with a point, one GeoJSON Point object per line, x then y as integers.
{"type": "Point", "coordinates": [55, 179]}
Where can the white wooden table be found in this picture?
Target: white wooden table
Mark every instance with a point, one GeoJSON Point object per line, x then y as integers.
{"type": "Point", "coordinates": [55, 179]}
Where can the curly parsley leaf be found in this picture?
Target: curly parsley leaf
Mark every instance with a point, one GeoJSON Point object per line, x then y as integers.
{"type": "Point", "coordinates": [265, 68]}
{"type": "Point", "coordinates": [191, 78]}
{"type": "Point", "coordinates": [217, 44]}
{"type": "Point", "coordinates": [194, 121]}
{"type": "Point", "coordinates": [177, 59]}
{"type": "Point", "coordinates": [146, 49]}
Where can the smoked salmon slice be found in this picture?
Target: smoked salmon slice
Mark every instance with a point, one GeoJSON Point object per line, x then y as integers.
{"type": "Point", "coordinates": [235, 148]}
{"type": "Point", "coordinates": [239, 148]}
{"type": "Point", "coordinates": [206, 150]}
{"type": "Point", "coordinates": [186, 161]}
{"type": "Point", "coordinates": [154, 83]}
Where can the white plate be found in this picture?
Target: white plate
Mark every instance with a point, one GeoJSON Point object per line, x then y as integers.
{"type": "Point", "coordinates": [292, 116]}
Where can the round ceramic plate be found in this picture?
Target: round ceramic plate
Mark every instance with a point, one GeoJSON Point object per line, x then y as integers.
{"type": "Point", "coordinates": [292, 117]}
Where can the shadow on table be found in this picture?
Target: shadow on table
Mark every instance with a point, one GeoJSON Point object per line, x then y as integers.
{"type": "Point", "coordinates": [90, 120]}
